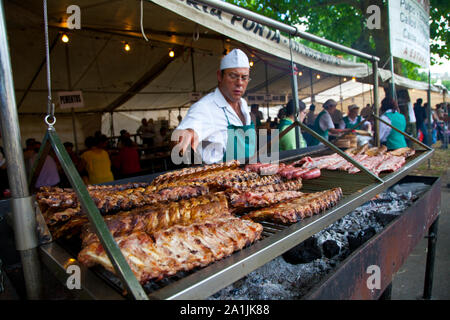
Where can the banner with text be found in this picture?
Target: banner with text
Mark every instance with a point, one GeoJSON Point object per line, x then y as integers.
{"type": "Point", "coordinates": [410, 30]}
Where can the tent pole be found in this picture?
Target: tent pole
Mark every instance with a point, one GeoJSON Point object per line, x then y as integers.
{"type": "Point", "coordinates": [376, 111]}
{"type": "Point", "coordinates": [311, 86]}
{"type": "Point", "coordinates": [23, 217]}
{"type": "Point", "coordinates": [429, 114]}
{"type": "Point", "coordinates": [267, 86]}
{"type": "Point", "coordinates": [294, 85]}
{"type": "Point", "coordinates": [340, 94]}
{"type": "Point", "coordinates": [193, 71]}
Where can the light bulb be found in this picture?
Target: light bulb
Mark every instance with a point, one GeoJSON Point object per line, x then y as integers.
{"type": "Point", "coordinates": [345, 79]}
{"type": "Point", "coordinates": [251, 63]}
{"type": "Point", "coordinates": [127, 47]}
{"type": "Point", "coordinates": [318, 76]}
{"type": "Point", "coordinates": [300, 73]}
{"type": "Point", "coordinates": [171, 54]}
{"type": "Point", "coordinates": [354, 79]}
{"type": "Point", "coordinates": [65, 38]}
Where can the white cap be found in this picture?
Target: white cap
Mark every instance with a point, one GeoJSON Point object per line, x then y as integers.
{"type": "Point", "coordinates": [235, 59]}
{"type": "Point", "coordinates": [352, 106]}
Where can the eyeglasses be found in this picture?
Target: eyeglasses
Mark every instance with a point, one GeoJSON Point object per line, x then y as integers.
{"type": "Point", "coordinates": [235, 76]}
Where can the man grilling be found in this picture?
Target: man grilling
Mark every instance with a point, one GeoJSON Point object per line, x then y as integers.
{"type": "Point", "coordinates": [220, 122]}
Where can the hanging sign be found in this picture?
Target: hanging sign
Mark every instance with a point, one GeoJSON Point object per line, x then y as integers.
{"type": "Point", "coordinates": [410, 30]}
{"type": "Point", "coordinates": [255, 98]}
{"type": "Point", "coordinates": [70, 99]}
{"type": "Point", "coordinates": [279, 99]}
{"type": "Point", "coordinates": [267, 98]}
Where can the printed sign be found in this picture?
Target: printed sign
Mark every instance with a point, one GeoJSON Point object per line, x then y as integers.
{"type": "Point", "coordinates": [70, 99]}
{"type": "Point", "coordinates": [410, 30]}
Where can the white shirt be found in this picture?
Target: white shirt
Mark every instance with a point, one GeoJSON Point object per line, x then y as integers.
{"type": "Point", "coordinates": [385, 130]}
{"type": "Point", "coordinates": [412, 116]}
{"type": "Point", "coordinates": [207, 118]}
{"type": "Point", "coordinates": [326, 122]}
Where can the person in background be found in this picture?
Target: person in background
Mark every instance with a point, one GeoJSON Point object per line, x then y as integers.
{"type": "Point", "coordinates": [162, 138]}
{"type": "Point", "coordinates": [336, 116]}
{"type": "Point", "coordinates": [310, 116]}
{"type": "Point", "coordinates": [391, 114]}
{"type": "Point", "coordinates": [29, 153]}
{"type": "Point", "coordinates": [97, 161]}
{"type": "Point", "coordinates": [49, 175]}
{"type": "Point", "coordinates": [323, 125]}
{"type": "Point", "coordinates": [146, 132]}
{"type": "Point", "coordinates": [366, 111]}
{"type": "Point", "coordinates": [421, 115]}
{"type": "Point", "coordinates": [352, 119]}
{"type": "Point", "coordinates": [128, 159]}
{"type": "Point", "coordinates": [288, 141]}
{"type": "Point", "coordinates": [256, 115]}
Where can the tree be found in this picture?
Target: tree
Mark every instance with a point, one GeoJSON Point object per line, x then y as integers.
{"type": "Point", "coordinates": [344, 22]}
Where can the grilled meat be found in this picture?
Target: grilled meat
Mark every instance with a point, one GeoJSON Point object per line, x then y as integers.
{"type": "Point", "coordinates": [261, 199]}
{"type": "Point", "coordinates": [114, 201]}
{"type": "Point", "coordinates": [179, 248]}
{"type": "Point", "coordinates": [155, 217]}
{"type": "Point", "coordinates": [186, 173]}
{"type": "Point", "coordinates": [293, 210]}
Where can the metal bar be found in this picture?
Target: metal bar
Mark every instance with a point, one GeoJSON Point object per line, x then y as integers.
{"type": "Point", "coordinates": [429, 114]}
{"type": "Point", "coordinates": [431, 253]}
{"type": "Point", "coordinates": [194, 83]}
{"type": "Point", "coordinates": [403, 133]}
{"type": "Point", "coordinates": [22, 215]}
{"type": "Point", "coordinates": [294, 86]}
{"type": "Point", "coordinates": [109, 244]}
{"type": "Point", "coordinates": [284, 27]}
{"type": "Point", "coordinates": [376, 103]}
{"type": "Point", "coordinates": [340, 152]}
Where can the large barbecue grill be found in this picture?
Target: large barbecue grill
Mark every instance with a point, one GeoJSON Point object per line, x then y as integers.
{"type": "Point", "coordinates": [98, 283]}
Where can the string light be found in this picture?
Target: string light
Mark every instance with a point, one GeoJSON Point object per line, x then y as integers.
{"type": "Point", "coordinates": [171, 53]}
{"type": "Point", "coordinates": [251, 63]}
{"type": "Point", "coordinates": [127, 47]}
{"type": "Point", "coordinates": [345, 79]}
{"type": "Point", "coordinates": [354, 79]}
{"type": "Point", "coordinates": [300, 73]}
{"type": "Point", "coordinates": [318, 76]}
{"type": "Point", "coordinates": [65, 38]}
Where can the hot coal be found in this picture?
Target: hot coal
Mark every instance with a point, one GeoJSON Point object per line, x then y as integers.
{"type": "Point", "coordinates": [305, 252]}
{"type": "Point", "coordinates": [279, 279]}
{"type": "Point", "coordinates": [330, 248]}
{"type": "Point", "coordinates": [355, 241]}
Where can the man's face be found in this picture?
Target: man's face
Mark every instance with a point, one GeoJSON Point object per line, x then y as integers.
{"type": "Point", "coordinates": [233, 83]}
{"type": "Point", "coordinates": [353, 113]}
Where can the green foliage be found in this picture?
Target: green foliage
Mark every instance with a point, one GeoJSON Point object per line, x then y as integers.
{"type": "Point", "coordinates": [343, 21]}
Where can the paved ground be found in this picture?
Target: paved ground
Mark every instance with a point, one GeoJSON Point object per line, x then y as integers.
{"type": "Point", "coordinates": [409, 280]}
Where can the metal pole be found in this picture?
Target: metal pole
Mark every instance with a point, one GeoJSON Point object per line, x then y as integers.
{"type": "Point", "coordinates": [340, 94]}
{"type": "Point", "coordinates": [284, 27]}
{"type": "Point", "coordinates": [193, 71]}
{"type": "Point", "coordinates": [376, 111]}
{"type": "Point", "coordinates": [311, 86]}
{"type": "Point", "coordinates": [267, 86]}
{"type": "Point", "coordinates": [23, 217]}
{"type": "Point", "coordinates": [430, 117]}
{"type": "Point", "coordinates": [431, 253]}
{"type": "Point", "coordinates": [294, 85]}
{"type": "Point", "coordinates": [393, 95]}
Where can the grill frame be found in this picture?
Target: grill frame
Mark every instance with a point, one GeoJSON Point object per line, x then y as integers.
{"type": "Point", "coordinates": [202, 283]}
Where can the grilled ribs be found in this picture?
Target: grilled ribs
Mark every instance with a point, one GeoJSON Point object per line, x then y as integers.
{"type": "Point", "coordinates": [155, 217]}
{"type": "Point", "coordinates": [298, 208]}
{"type": "Point", "coordinates": [179, 248]}
{"type": "Point", "coordinates": [261, 199]}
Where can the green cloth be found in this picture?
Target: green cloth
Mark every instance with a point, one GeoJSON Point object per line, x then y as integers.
{"type": "Point", "coordinates": [349, 125]}
{"type": "Point", "coordinates": [396, 140]}
{"type": "Point", "coordinates": [317, 129]}
{"type": "Point", "coordinates": [288, 142]}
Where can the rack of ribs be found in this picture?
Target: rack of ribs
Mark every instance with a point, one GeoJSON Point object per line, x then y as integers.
{"type": "Point", "coordinates": [66, 205]}
{"type": "Point", "coordinates": [191, 171]}
{"type": "Point", "coordinates": [179, 248]}
{"type": "Point", "coordinates": [156, 217]}
{"type": "Point", "coordinates": [296, 209]}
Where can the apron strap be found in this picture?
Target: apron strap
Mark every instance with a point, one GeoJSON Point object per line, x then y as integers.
{"type": "Point", "coordinates": [228, 121]}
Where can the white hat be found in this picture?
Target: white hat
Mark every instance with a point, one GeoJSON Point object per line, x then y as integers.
{"type": "Point", "coordinates": [235, 59]}
{"type": "Point", "coordinates": [352, 106]}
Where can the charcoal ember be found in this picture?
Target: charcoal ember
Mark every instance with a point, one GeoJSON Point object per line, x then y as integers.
{"type": "Point", "coordinates": [384, 218]}
{"type": "Point", "coordinates": [355, 241]}
{"type": "Point", "coordinates": [305, 252]}
{"type": "Point", "coordinates": [330, 248]}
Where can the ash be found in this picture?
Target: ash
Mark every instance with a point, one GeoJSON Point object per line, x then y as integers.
{"type": "Point", "coordinates": [281, 280]}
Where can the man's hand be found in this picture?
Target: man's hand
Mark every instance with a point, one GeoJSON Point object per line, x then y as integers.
{"type": "Point", "coordinates": [187, 137]}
